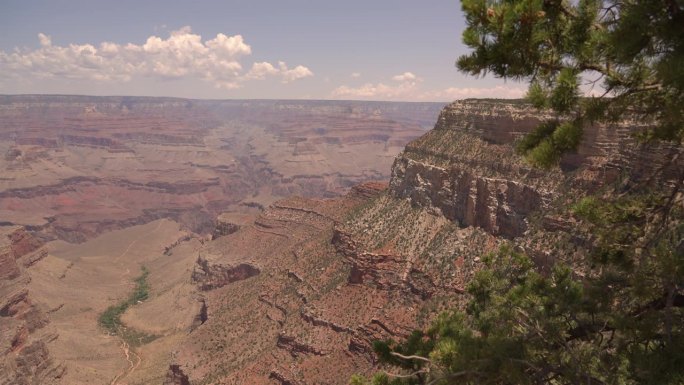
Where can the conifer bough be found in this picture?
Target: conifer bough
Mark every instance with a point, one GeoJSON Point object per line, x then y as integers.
{"type": "Point", "coordinates": [630, 53]}
{"type": "Point", "coordinates": [610, 313]}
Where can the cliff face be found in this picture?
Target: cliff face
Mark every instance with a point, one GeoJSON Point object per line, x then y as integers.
{"type": "Point", "coordinates": [24, 354]}
{"type": "Point", "coordinates": [331, 276]}
{"type": "Point", "coordinates": [467, 170]}
{"type": "Point", "coordinates": [297, 292]}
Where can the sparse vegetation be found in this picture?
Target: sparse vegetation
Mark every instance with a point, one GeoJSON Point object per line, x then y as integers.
{"type": "Point", "coordinates": [613, 311]}
{"type": "Point", "coordinates": [110, 319]}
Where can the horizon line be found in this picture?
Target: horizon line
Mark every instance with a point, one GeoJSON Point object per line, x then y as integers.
{"type": "Point", "coordinates": [250, 99]}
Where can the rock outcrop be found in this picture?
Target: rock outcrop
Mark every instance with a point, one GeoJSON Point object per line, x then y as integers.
{"type": "Point", "coordinates": [175, 376]}
{"type": "Point", "coordinates": [224, 226]}
{"type": "Point", "coordinates": [209, 276]}
{"type": "Point", "coordinates": [336, 275]}
{"type": "Point", "coordinates": [24, 354]}
{"type": "Point", "coordinates": [467, 170]}
{"type": "Point", "coordinates": [324, 291]}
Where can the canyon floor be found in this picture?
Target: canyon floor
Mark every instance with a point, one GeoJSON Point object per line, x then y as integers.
{"type": "Point", "coordinates": [108, 185]}
{"type": "Point", "coordinates": [78, 282]}
{"type": "Point", "coordinates": [275, 253]}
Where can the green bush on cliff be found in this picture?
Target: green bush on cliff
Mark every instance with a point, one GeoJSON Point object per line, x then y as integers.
{"type": "Point", "coordinates": [613, 313]}
{"type": "Point", "coordinates": [619, 326]}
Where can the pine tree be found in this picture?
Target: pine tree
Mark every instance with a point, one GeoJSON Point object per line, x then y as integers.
{"type": "Point", "coordinates": [629, 51]}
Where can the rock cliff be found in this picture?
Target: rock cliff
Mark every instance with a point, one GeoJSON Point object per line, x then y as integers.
{"type": "Point", "coordinates": [334, 275]}
{"type": "Point", "coordinates": [467, 169]}
{"type": "Point", "coordinates": [24, 352]}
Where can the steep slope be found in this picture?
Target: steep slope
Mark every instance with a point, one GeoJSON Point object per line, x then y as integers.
{"type": "Point", "coordinates": [24, 345]}
{"type": "Point", "coordinates": [298, 296]}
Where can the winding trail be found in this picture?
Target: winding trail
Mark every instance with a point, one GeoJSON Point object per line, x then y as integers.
{"type": "Point", "coordinates": [125, 347]}
{"type": "Point", "coordinates": [132, 366]}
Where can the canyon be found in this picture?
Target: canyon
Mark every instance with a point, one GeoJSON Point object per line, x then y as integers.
{"type": "Point", "coordinates": [106, 185]}
{"type": "Point", "coordinates": [74, 167]}
{"type": "Point", "coordinates": [248, 288]}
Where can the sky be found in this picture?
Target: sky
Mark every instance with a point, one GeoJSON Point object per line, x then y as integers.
{"type": "Point", "coordinates": [251, 49]}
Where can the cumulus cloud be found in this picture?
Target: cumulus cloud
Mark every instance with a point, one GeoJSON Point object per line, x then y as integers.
{"type": "Point", "coordinates": [408, 86]}
{"type": "Point", "coordinates": [45, 40]}
{"type": "Point", "coordinates": [261, 70]}
{"type": "Point", "coordinates": [375, 91]}
{"type": "Point", "coordinates": [355, 75]}
{"type": "Point", "coordinates": [299, 72]}
{"type": "Point", "coordinates": [183, 54]}
{"type": "Point", "coordinates": [404, 87]}
{"type": "Point", "coordinates": [405, 77]}
{"type": "Point", "coordinates": [264, 69]}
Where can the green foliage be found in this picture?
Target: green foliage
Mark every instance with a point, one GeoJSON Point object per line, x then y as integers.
{"type": "Point", "coordinates": [524, 327]}
{"type": "Point", "coordinates": [633, 49]}
{"type": "Point", "coordinates": [615, 316]}
{"type": "Point", "coordinates": [564, 95]}
{"type": "Point", "coordinates": [537, 95]}
{"type": "Point", "coordinates": [110, 319]}
{"type": "Point", "coordinates": [142, 287]}
{"type": "Point", "coordinates": [613, 312]}
{"type": "Point", "coordinates": [536, 137]}
{"type": "Point", "coordinates": [547, 143]}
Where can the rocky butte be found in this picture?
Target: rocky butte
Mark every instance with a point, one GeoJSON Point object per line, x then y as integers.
{"type": "Point", "coordinates": [296, 293]}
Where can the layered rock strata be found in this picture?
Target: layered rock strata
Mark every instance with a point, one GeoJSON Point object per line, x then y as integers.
{"type": "Point", "coordinates": [24, 351]}
{"type": "Point", "coordinates": [467, 169]}
{"type": "Point", "coordinates": [74, 167]}
{"type": "Point", "coordinates": [336, 275]}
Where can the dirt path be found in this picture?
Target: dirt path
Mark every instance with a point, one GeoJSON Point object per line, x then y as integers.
{"type": "Point", "coordinates": [132, 366]}
{"type": "Point", "coordinates": [133, 363]}
{"type": "Point", "coordinates": [137, 239]}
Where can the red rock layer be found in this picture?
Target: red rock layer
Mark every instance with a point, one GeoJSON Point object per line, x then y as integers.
{"type": "Point", "coordinates": [24, 355]}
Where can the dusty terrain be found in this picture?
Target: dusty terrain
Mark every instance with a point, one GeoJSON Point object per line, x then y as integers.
{"type": "Point", "coordinates": [113, 184]}
{"type": "Point", "coordinates": [73, 167]}
{"type": "Point", "coordinates": [294, 293]}
{"type": "Point", "coordinates": [298, 296]}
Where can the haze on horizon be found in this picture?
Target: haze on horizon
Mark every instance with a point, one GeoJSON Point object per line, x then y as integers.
{"type": "Point", "coordinates": [384, 50]}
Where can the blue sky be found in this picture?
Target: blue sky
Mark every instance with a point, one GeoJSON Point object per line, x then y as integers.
{"type": "Point", "coordinates": [373, 49]}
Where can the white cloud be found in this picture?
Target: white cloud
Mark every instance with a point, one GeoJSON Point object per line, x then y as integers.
{"type": "Point", "coordinates": [262, 70]}
{"type": "Point", "coordinates": [408, 87]}
{"type": "Point", "coordinates": [45, 40]}
{"type": "Point", "coordinates": [289, 75]}
{"type": "Point", "coordinates": [405, 77]}
{"type": "Point", "coordinates": [229, 46]}
{"type": "Point", "coordinates": [355, 75]}
{"type": "Point", "coordinates": [181, 55]}
{"type": "Point", "coordinates": [501, 92]}
{"type": "Point", "coordinates": [380, 91]}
